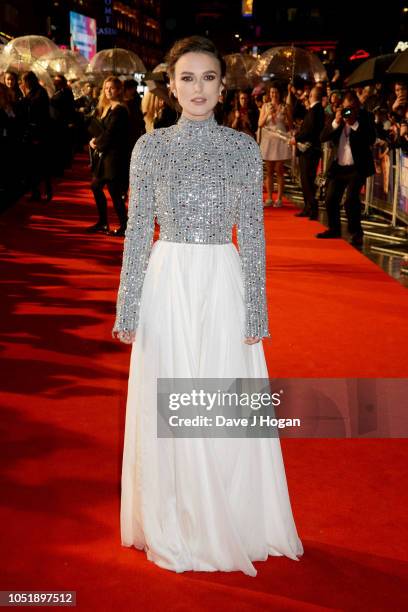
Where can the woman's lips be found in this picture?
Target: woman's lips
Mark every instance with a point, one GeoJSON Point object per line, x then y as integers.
{"type": "Point", "coordinates": [199, 100]}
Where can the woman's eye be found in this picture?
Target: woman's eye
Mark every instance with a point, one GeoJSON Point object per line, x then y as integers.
{"type": "Point", "coordinates": [210, 77]}
{"type": "Point", "coordinates": [186, 78]}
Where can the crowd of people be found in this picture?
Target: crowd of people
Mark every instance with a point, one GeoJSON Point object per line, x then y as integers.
{"type": "Point", "coordinates": [40, 135]}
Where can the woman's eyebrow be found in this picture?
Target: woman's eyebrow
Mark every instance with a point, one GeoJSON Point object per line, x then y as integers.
{"type": "Point", "coordinates": [205, 72]}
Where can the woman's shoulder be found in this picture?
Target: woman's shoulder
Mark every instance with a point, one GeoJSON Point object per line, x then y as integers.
{"type": "Point", "coordinates": [243, 142]}
{"type": "Point", "coordinates": [120, 109]}
{"type": "Point", "coordinates": [148, 143]}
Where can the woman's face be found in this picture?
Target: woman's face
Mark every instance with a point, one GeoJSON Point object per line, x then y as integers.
{"type": "Point", "coordinates": [9, 80]}
{"type": "Point", "coordinates": [197, 84]}
{"type": "Point", "coordinates": [111, 91]}
{"type": "Point", "coordinates": [274, 95]}
{"type": "Point", "coordinates": [244, 100]}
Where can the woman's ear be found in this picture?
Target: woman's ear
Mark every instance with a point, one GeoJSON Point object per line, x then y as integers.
{"type": "Point", "coordinates": [172, 86]}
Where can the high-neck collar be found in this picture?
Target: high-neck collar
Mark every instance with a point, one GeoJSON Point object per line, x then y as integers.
{"type": "Point", "coordinates": [197, 124]}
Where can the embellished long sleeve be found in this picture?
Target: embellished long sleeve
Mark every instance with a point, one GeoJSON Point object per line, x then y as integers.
{"type": "Point", "coordinates": [251, 241]}
{"type": "Point", "coordinates": [138, 238]}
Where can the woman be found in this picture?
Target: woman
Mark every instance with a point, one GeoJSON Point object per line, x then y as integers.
{"type": "Point", "coordinates": [166, 115]}
{"type": "Point", "coordinates": [274, 118]}
{"type": "Point", "coordinates": [35, 111]}
{"type": "Point", "coordinates": [110, 156]}
{"type": "Point", "coordinates": [199, 309]}
{"type": "Point", "coordinates": [150, 108]}
{"type": "Point", "coordinates": [11, 82]}
{"type": "Point", "coordinates": [8, 145]}
{"type": "Point", "coordinates": [244, 117]}
{"type": "Point", "coordinates": [334, 103]}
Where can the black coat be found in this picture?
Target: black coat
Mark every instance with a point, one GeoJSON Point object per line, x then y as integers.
{"type": "Point", "coordinates": [136, 122]}
{"type": "Point", "coordinates": [312, 126]}
{"type": "Point", "coordinates": [35, 113]}
{"type": "Point", "coordinates": [361, 141]}
{"type": "Point", "coordinates": [62, 106]}
{"type": "Point", "coordinates": [113, 145]}
{"type": "Point", "coordinates": [166, 118]}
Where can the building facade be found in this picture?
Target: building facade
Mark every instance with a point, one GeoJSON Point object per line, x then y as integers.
{"type": "Point", "coordinates": [130, 24]}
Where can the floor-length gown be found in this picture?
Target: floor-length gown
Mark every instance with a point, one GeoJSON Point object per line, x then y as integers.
{"type": "Point", "coordinates": [201, 504]}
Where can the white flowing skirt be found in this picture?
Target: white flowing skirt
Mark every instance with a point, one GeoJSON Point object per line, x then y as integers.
{"type": "Point", "coordinates": [201, 504]}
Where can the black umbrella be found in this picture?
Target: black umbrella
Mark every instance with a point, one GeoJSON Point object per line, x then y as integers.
{"type": "Point", "coordinates": [399, 65]}
{"type": "Point", "coordinates": [371, 71]}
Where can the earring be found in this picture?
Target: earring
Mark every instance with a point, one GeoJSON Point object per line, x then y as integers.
{"type": "Point", "coordinates": [174, 94]}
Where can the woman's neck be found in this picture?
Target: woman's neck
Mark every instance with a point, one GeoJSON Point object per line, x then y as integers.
{"type": "Point", "coordinates": [109, 107]}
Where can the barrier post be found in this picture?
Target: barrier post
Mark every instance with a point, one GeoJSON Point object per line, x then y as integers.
{"type": "Point", "coordinates": [396, 187]}
{"type": "Point", "coordinates": [369, 192]}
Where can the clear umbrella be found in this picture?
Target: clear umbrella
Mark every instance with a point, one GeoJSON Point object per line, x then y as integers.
{"type": "Point", "coordinates": [156, 82]}
{"type": "Point", "coordinates": [158, 76]}
{"type": "Point", "coordinates": [285, 63]}
{"type": "Point", "coordinates": [116, 61]}
{"type": "Point", "coordinates": [19, 66]}
{"type": "Point", "coordinates": [30, 48]}
{"type": "Point", "coordinates": [76, 55]}
{"type": "Point", "coordinates": [238, 70]}
{"type": "Point", "coordinates": [64, 62]}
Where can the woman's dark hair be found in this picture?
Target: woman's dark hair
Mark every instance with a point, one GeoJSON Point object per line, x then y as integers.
{"type": "Point", "coordinates": [275, 85]}
{"type": "Point", "coordinates": [192, 44]}
{"type": "Point", "coordinates": [30, 79]}
{"type": "Point", "coordinates": [237, 104]}
{"type": "Point", "coordinates": [61, 78]}
{"type": "Point", "coordinates": [4, 96]}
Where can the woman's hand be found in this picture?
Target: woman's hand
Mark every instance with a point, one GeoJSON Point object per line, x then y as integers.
{"type": "Point", "coordinates": [251, 340]}
{"type": "Point", "coordinates": [124, 336]}
{"type": "Point", "coordinates": [272, 111]}
{"type": "Point", "coordinates": [92, 143]}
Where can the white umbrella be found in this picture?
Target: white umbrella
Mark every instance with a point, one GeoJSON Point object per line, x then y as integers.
{"type": "Point", "coordinates": [238, 70]}
{"type": "Point", "coordinates": [30, 48]}
{"type": "Point", "coordinates": [116, 61]}
{"type": "Point", "coordinates": [63, 62]}
{"type": "Point", "coordinates": [19, 66]}
{"type": "Point", "coordinates": [285, 63]}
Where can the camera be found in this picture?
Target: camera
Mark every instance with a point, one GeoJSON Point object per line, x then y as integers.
{"type": "Point", "coordinates": [346, 112]}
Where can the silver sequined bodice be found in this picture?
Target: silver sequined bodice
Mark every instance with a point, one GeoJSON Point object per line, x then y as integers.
{"type": "Point", "coordinates": [198, 179]}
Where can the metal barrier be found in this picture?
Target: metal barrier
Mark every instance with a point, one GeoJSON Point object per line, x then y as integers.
{"type": "Point", "coordinates": [385, 215]}
{"type": "Point", "coordinates": [385, 194]}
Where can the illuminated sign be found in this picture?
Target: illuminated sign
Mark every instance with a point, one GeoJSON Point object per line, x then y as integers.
{"type": "Point", "coordinates": [401, 46]}
{"type": "Point", "coordinates": [83, 34]}
{"type": "Point", "coordinates": [247, 8]}
{"type": "Point", "coordinates": [360, 54]}
{"type": "Point", "coordinates": [108, 30]}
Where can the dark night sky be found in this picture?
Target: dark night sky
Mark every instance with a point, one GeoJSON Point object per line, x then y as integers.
{"type": "Point", "coordinates": [354, 25]}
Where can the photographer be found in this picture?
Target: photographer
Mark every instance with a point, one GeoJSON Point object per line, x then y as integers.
{"type": "Point", "coordinates": [353, 133]}
{"type": "Point", "coordinates": [399, 105]}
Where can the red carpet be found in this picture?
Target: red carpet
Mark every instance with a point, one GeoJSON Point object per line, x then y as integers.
{"type": "Point", "coordinates": [333, 313]}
